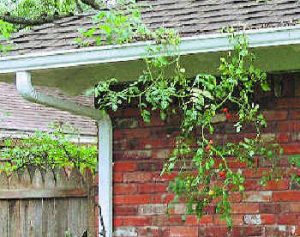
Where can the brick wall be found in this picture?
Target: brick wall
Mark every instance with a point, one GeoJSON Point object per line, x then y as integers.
{"type": "Point", "coordinates": [140, 193]}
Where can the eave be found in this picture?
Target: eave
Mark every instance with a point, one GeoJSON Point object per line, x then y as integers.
{"type": "Point", "coordinates": [200, 53]}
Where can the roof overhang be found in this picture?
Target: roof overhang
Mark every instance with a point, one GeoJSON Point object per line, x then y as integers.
{"type": "Point", "coordinates": [74, 71]}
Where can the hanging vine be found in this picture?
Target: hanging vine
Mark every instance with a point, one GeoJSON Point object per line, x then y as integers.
{"type": "Point", "coordinates": [204, 175]}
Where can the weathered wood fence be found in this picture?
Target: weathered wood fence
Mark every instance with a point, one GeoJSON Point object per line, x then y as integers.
{"type": "Point", "coordinates": [47, 204]}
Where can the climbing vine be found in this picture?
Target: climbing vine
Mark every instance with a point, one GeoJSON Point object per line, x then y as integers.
{"type": "Point", "coordinates": [47, 150]}
{"type": "Point", "coordinates": [202, 163]}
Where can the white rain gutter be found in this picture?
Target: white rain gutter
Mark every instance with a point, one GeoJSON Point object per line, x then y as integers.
{"type": "Point", "coordinates": [26, 89]}
{"type": "Point", "coordinates": [118, 53]}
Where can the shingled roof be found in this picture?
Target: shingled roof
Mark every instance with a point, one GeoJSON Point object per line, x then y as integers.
{"type": "Point", "coordinates": [19, 117]}
{"type": "Point", "coordinates": [189, 17]}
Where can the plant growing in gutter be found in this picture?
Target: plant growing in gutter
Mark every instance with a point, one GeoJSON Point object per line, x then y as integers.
{"type": "Point", "coordinates": [202, 163]}
{"type": "Point", "coordinates": [44, 150]}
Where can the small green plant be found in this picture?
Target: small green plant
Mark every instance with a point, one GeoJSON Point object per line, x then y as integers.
{"type": "Point", "coordinates": [119, 25]}
{"type": "Point", "coordinates": [295, 161]}
{"type": "Point", "coordinates": [46, 150]}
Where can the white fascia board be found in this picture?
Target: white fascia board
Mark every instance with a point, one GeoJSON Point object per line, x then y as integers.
{"type": "Point", "coordinates": [128, 52]}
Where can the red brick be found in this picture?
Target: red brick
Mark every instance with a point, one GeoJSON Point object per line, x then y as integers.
{"type": "Point", "coordinates": [132, 154]}
{"type": "Point", "coordinates": [286, 196]}
{"type": "Point", "coordinates": [275, 115]}
{"type": "Point", "coordinates": [121, 123]}
{"type": "Point", "coordinates": [297, 233]}
{"type": "Point", "coordinates": [125, 210]}
{"type": "Point", "coordinates": [118, 221]}
{"type": "Point", "coordinates": [136, 221]}
{"type": "Point", "coordinates": [150, 166]}
{"type": "Point", "coordinates": [279, 231]}
{"type": "Point", "coordinates": [253, 184]}
{"type": "Point", "coordinates": [167, 198]}
{"type": "Point", "coordinates": [268, 219]}
{"type": "Point", "coordinates": [245, 208]}
{"type": "Point", "coordinates": [258, 196]}
{"type": "Point", "coordinates": [117, 177]}
{"type": "Point", "coordinates": [270, 208]}
{"type": "Point", "coordinates": [153, 231]}
{"type": "Point", "coordinates": [165, 220]}
{"type": "Point", "coordinates": [235, 197]}
{"type": "Point", "coordinates": [213, 231]}
{"type": "Point", "coordinates": [295, 114]}
{"type": "Point", "coordinates": [288, 219]}
{"type": "Point", "coordinates": [161, 153]}
{"type": "Point", "coordinates": [193, 220]}
{"type": "Point", "coordinates": [133, 199]}
{"type": "Point", "coordinates": [132, 133]}
{"type": "Point", "coordinates": [236, 220]}
{"type": "Point", "coordinates": [121, 188]}
{"type": "Point", "coordinates": [294, 207]}
{"type": "Point", "coordinates": [254, 173]}
{"type": "Point", "coordinates": [276, 185]}
{"type": "Point", "coordinates": [183, 231]}
{"type": "Point", "coordinates": [125, 112]}
{"type": "Point", "coordinates": [291, 148]}
{"type": "Point", "coordinates": [125, 166]}
{"type": "Point", "coordinates": [290, 103]}
{"type": "Point", "coordinates": [234, 163]}
{"type": "Point", "coordinates": [247, 231]}
{"type": "Point", "coordinates": [137, 177]}
{"type": "Point", "coordinates": [283, 137]}
{"type": "Point", "coordinates": [166, 177]}
{"type": "Point", "coordinates": [152, 188]}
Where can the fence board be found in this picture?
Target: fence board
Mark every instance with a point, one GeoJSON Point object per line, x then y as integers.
{"type": "Point", "coordinates": [24, 215]}
{"type": "Point", "coordinates": [46, 204]}
{"type": "Point", "coordinates": [4, 218]}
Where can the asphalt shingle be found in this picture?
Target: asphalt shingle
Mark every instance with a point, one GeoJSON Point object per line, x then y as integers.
{"type": "Point", "coordinates": [20, 116]}
{"type": "Point", "coordinates": [189, 17]}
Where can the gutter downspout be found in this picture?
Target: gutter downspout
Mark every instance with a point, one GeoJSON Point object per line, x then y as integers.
{"type": "Point", "coordinates": [26, 89]}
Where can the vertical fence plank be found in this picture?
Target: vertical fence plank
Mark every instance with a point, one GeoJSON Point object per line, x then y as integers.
{"type": "Point", "coordinates": [89, 215]}
{"type": "Point", "coordinates": [25, 224]}
{"type": "Point", "coordinates": [75, 181]}
{"type": "Point", "coordinates": [14, 218]}
{"type": "Point", "coordinates": [83, 217]}
{"type": "Point", "coordinates": [36, 205]}
{"type": "Point", "coordinates": [48, 219]}
{"type": "Point", "coordinates": [14, 208]}
{"type": "Point", "coordinates": [61, 205]}
{"type": "Point", "coordinates": [4, 207]}
{"type": "Point", "coordinates": [4, 219]}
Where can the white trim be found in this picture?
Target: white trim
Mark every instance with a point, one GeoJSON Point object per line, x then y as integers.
{"type": "Point", "coordinates": [105, 190]}
{"type": "Point", "coordinates": [118, 53]}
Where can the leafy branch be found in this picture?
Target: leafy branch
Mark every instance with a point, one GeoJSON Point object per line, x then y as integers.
{"type": "Point", "coordinates": [46, 150]}
{"type": "Point", "coordinates": [202, 163]}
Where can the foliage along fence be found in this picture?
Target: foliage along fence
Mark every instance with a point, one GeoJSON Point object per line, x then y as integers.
{"type": "Point", "coordinates": [48, 204]}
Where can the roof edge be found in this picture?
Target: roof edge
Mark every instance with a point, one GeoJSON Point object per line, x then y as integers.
{"type": "Point", "coordinates": [128, 52]}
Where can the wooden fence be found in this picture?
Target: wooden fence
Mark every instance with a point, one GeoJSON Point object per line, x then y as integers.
{"type": "Point", "coordinates": [47, 204]}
